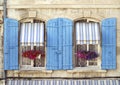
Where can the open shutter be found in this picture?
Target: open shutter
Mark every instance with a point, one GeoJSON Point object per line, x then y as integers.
{"type": "Point", "coordinates": [59, 44]}
{"type": "Point", "coordinates": [52, 45]}
{"type": "Point", "coordinates": [109, 43]}
{"type": "Point", "coordinates": [67, 43]}
{"type": "Point", "coordinates": [10, 44]}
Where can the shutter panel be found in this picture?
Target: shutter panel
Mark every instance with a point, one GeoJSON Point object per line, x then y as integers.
{"type": "Point", "coordinates": [60, 43]}
{"type": "Point", "coordinates": [67, 43]}
{"type": "Point", "coordinates": [109, 43]}
{"type": "Point", "coordinates": [10, 44]}
{"type": "Point", "coordinates": [52, 45]}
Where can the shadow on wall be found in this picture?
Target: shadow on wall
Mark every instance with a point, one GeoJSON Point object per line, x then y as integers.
{"type": "Point", "coordinates": [118, 50]}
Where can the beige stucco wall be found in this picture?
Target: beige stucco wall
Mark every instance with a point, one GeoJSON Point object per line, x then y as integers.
{"type": "Point", "coordinates": [1, 2]}
{"type": "Point", "coordinates": [63, 2]}
{"type": "Point", "coordinates": [1, 40]}
{"type": "Point", "coordinates": [2, 82]}
{"type": "Point", "coordinates": [74, 9]}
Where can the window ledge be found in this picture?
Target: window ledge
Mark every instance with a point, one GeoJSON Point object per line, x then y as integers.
{"type": "Point", "coordinates": [86, 69]}
{"type": "Point", "coordinates": [41, 69]}
{"type": "Point", "coordinates": [77, 69]}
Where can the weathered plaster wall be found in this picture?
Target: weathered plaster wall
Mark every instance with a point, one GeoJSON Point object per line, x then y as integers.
{"type": "Point", "coordinates": [1, 2]}
{"type": "Point", "coordinates": [1, 44]}
{"type": "Point", "coordinates": [63, 2]}
{"type": "Point", "coordinates": [2, 82]}
{"type": "Point", "coordinates": [74, 9]}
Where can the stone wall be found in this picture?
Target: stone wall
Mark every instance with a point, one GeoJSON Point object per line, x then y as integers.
{"type": "Point", "coordinates": [1, 44]}
{"type": "Point", "coordinates": [74, 10]}
{"type": "Point", "coordinates": [2, 81]}
{"type": "Point", "coordinates": [34, 2]}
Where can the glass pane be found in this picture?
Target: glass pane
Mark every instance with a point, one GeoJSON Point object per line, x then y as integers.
{"type": "Point", "coordinates": [79, 61]}
{"type": "Point", "coordinates": [40, 59]}
{"type": "Point", "coordinates": [81, 47]}
{"type": "Point", "coordinates": [93, 48]}
{"type": "Point", "coordinates": [25, 61]}
{"type": "Point", "coordinates": [92, 63]}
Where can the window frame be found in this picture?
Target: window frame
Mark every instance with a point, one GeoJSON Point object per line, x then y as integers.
{"type": "Point", "coordinates": [30, 67]}
{"type": "Point", "coordinates": [98, 67]}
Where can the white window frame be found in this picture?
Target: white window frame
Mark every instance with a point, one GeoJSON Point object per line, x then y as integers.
{"type": "Point", "coordinates": [31, 66]}
{"type": "Point", "coordinates": [88, 67]}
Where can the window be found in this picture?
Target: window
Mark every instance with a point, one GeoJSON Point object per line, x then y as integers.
{"type": "Point", "coordinates": [32, 42]}
{"type": "Point", "coordinates": [87, 40]}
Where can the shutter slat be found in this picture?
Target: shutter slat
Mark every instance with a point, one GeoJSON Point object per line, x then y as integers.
{"type": "Point", "coordinates": [109, 43]}
{"type": "Point", "coordinates": [67, 44]}
{"type": "Point", "coordinates": [60, 42]}
{"type": "Point", "coordinates": [6, 45]}
{"type": "Point", "coordinates": [10, 44]}
{"type": "Point", "coordinates": [52, 45]}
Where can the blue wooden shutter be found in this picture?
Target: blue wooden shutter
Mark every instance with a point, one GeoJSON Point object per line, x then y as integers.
{"type": "Point", "coordinates": [52, 45]}
{"type": "Point", "coordinates": [109, 43]}
{"type": "Point", "coordinates": [67, 26]}
{"type": "Point", "coordinates": [60, 43]}
{"type": "Point", "coordinates": [10, 44]}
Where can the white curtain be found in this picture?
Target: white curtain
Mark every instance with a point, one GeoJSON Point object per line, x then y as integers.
{"type": "Point", "coordinates": [87, 33]}
{"type": "Point", "coordinates": [32, 34]}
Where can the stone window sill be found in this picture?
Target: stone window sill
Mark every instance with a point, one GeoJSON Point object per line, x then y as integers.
{"type": "Point", "coordinates": [86, 69]}
{"type": "Point", "coordinates": [42, 69]}
{"type": "Point", "coordinates": [76, 69]}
